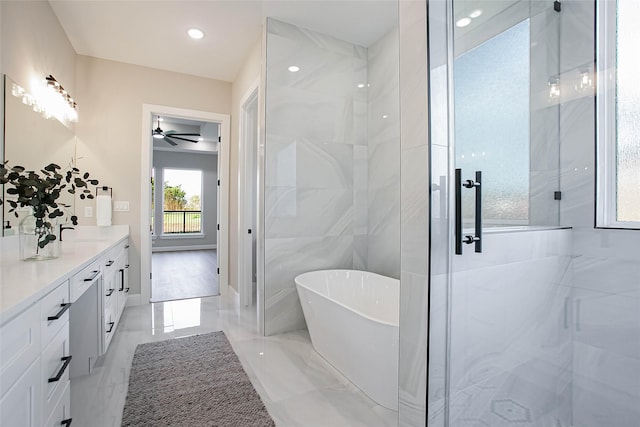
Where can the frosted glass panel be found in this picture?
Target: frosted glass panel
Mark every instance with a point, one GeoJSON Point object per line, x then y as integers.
{"type": "Point", "coordinates": [492, 125]}
{"type": "Point", "coordinates": [628, 111]}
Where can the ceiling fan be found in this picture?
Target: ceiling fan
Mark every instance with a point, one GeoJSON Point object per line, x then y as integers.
{"type": "Point", "coordinates": [169, 135]}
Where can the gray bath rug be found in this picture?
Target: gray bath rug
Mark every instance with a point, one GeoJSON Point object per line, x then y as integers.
{"type": "Point", "coordinates": [191, 381]}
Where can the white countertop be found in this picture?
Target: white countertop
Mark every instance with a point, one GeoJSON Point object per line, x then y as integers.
{"type": "Point", "coordinates": [23, 283]}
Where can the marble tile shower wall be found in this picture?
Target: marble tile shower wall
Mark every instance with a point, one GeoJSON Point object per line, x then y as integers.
{"type": "Point", "coordinates": [383, 231]}
{"type": "Point", "coordinates": [606, 285]}
{"type": "Point", "coordinates": [508, 362]}
{"type": "Point", "coordinates": [328, 198]}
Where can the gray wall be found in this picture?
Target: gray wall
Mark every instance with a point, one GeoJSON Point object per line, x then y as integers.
{"type": "Point", "coordinates": [209, 166]}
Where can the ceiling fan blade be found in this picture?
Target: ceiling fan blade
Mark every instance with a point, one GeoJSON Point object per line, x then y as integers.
{"type": "Point", "coordinates": [171, 132]}
{"type": "Point", "coordinates": [181, 139]}
{"type": "Point", "coordinates": [170, 142]}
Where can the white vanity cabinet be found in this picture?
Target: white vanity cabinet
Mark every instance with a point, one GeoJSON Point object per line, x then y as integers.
{"type": "Point", "coordinates": [35, 362]}
{"type": "Point", "coordinates": [115, 290]}
{"type": "Point", "coordinates": [52, 317]}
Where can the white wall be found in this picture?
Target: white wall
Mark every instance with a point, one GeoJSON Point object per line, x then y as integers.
{"type": "Point", "coordinates": [34, 45]}
{"type": "Point", "coordinates": [606, 300]}
{"type": "Point", "coordinates": [208, 164]}
{"type": "Point", "coordinates": [414, 195]}
{"type": "Point", "coordinates": [383, 149]}
{"type": "Point", "coordinates": [110, 97]}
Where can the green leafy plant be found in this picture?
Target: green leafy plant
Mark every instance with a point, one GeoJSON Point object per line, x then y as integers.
{"type": "Point", "coordinates": [40, 191]}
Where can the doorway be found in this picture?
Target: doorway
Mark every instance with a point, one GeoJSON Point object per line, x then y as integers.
{"type": "Point", "coordinates": [184, 214]}
{"type": "Point", "coordinates": [248, 198]}
{"type": "Point", "coordinates": [221, 159]}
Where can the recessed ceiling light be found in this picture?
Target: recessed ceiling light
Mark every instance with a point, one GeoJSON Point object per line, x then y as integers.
{"type": "Point", "coordinates": [385, 116]}
{"type": "Point", "coordinates": [463, 22]}
{"type": "Point", "coordinates": [160, 119]}
{"type": "Point", "coordinates": [294, 68]}
{"type": "Point", "coordinates": [361, 85]}
{"type": "Point", "coordinates": [475, 13]}
{"type": "Point", "coordinates": [200, 138]}
{"type": "Point", "coordinates": [195, 33]}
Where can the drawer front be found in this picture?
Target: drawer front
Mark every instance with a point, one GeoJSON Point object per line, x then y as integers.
{"type": "Point", "coordinates": [55, 370]}
{"type": "Point", "coordinates": [19, 346]}
{"type": "Point", "coordinates": [54, 312]}
{"type": "Point", "coordinates": [109, 327]}
{"type": "Point", "coordinates": [61, 413]}
{"type": "Point", "coordinates": [20, 406]}
{"type": "Point", "coordinates": [81, 281]}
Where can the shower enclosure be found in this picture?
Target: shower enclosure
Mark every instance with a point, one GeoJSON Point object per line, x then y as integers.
{"type": "Point", "coordinates": [515, 312]}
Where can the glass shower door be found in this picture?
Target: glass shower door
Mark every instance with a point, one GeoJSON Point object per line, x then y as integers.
{"type": "Point", "coordinates": [497, 293]}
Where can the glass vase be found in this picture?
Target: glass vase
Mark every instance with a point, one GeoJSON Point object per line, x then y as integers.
{"type": "Point", "coordinates": [38, 239]}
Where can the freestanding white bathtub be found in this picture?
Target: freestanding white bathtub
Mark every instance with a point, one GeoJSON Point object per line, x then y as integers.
{"type": "Point", "coordinates": [353, 318]}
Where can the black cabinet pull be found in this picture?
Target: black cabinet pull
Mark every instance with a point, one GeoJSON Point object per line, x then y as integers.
{"type": "Point", "coordinates": [477, 185]}
{"type": "Point", "coordinates": [126, 247]}
{"type": "Point", "coordinates": [93, 276]}
{"type": "Point", "coordinates": [121, 279]}
{"type": "Point", "coordinates": [110, 263]}
{"type": "Point", "coordinates": [66, 423]}
{"type": "Point", "coordinates": [66, 360]}
{"type": "Point", "coordinates": [63, 308]}
{"type": "Point", "coordinates": [126, 290]}
{"type": "Point", "coordinates": [126, 266]}
{"type": "Point", "coordinates": [110, 292]}
{"type": "Point", "coordinates": [110, 327]}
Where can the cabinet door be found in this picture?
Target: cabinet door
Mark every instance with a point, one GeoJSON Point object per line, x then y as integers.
{"type": "Point", "coordinates": [21, 405]}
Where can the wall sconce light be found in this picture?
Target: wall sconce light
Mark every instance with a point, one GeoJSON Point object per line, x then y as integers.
{"type": "Point", "coordinates": [554, 88]}
{"type": "Point", "coordinates": [50, 99]}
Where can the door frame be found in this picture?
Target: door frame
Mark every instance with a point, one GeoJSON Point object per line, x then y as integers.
{"type": "Point", "coordinates": [224, 120]}
{"type": "Point", "coordinates": [246, 204]}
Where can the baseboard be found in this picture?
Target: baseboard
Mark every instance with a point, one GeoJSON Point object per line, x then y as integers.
{"type": "Point", "coordinates": [134, 299]}
{"type": "Point", "coordinates": [183, 248]}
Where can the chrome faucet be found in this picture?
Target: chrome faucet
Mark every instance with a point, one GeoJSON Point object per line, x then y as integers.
{"type": "Point", "coordinates": [61, 228]}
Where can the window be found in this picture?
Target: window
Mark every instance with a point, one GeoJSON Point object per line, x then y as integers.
{"type": "Point", "coordinates": [182, 212]}
{"type": "Point", "coordinates": [618, 198]}
{"type": "Point", "coordinates": [492, 124]}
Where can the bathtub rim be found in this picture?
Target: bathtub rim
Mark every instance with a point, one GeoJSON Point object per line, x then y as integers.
{"type": "Point", "coordinates": [359, 313]}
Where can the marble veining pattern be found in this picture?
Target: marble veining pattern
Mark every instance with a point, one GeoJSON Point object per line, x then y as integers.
{"type": "Point", "coordinates": [332, 162]}
{"type": "Point", "coordinates": [605, 298]}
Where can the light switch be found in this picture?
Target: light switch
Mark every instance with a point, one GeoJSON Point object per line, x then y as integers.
{"type": "Point", "coordinates": [121, 206]}
{"type": "Point", "coordinates": [88, 211]}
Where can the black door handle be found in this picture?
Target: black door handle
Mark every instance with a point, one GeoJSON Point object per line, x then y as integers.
{"type": "Point", "coordinates": [66, 360]}
{"type": "Point", "coordinates": [110, 291]}
{"type": "Point", "coordinates": [66, 423]}
{"type": "Point", "coordinates": [110, 327]}
{"type": "Point", "coordinates": [477, 185]}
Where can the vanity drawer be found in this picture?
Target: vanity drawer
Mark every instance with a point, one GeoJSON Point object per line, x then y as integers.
{"type": "Point", "coordinates": [19, 346]}
{"type": "Point", "coordinates": [61, 413]}
{"type": "Point", "coordinates": [81, 281]}
{"type": "Point", "coordinates": [54, 312]}
{"type": "Point", "coordinates": [109, 327]}
{"type": "Point", "coordinates": [20, 405]}
{"type": "Point", "coordinates": [55, 370]}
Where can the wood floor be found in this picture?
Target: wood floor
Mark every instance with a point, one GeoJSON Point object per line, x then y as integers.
{"type": "Point", "coordinates": [184, 274]}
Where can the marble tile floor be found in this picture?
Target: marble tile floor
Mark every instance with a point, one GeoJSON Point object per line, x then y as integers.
{"type": "Point", "coordinates": [298, 387]}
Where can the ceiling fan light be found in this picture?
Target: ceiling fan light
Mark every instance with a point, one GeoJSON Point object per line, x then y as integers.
{"type": "Point", "coordinates": [158, 133]}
